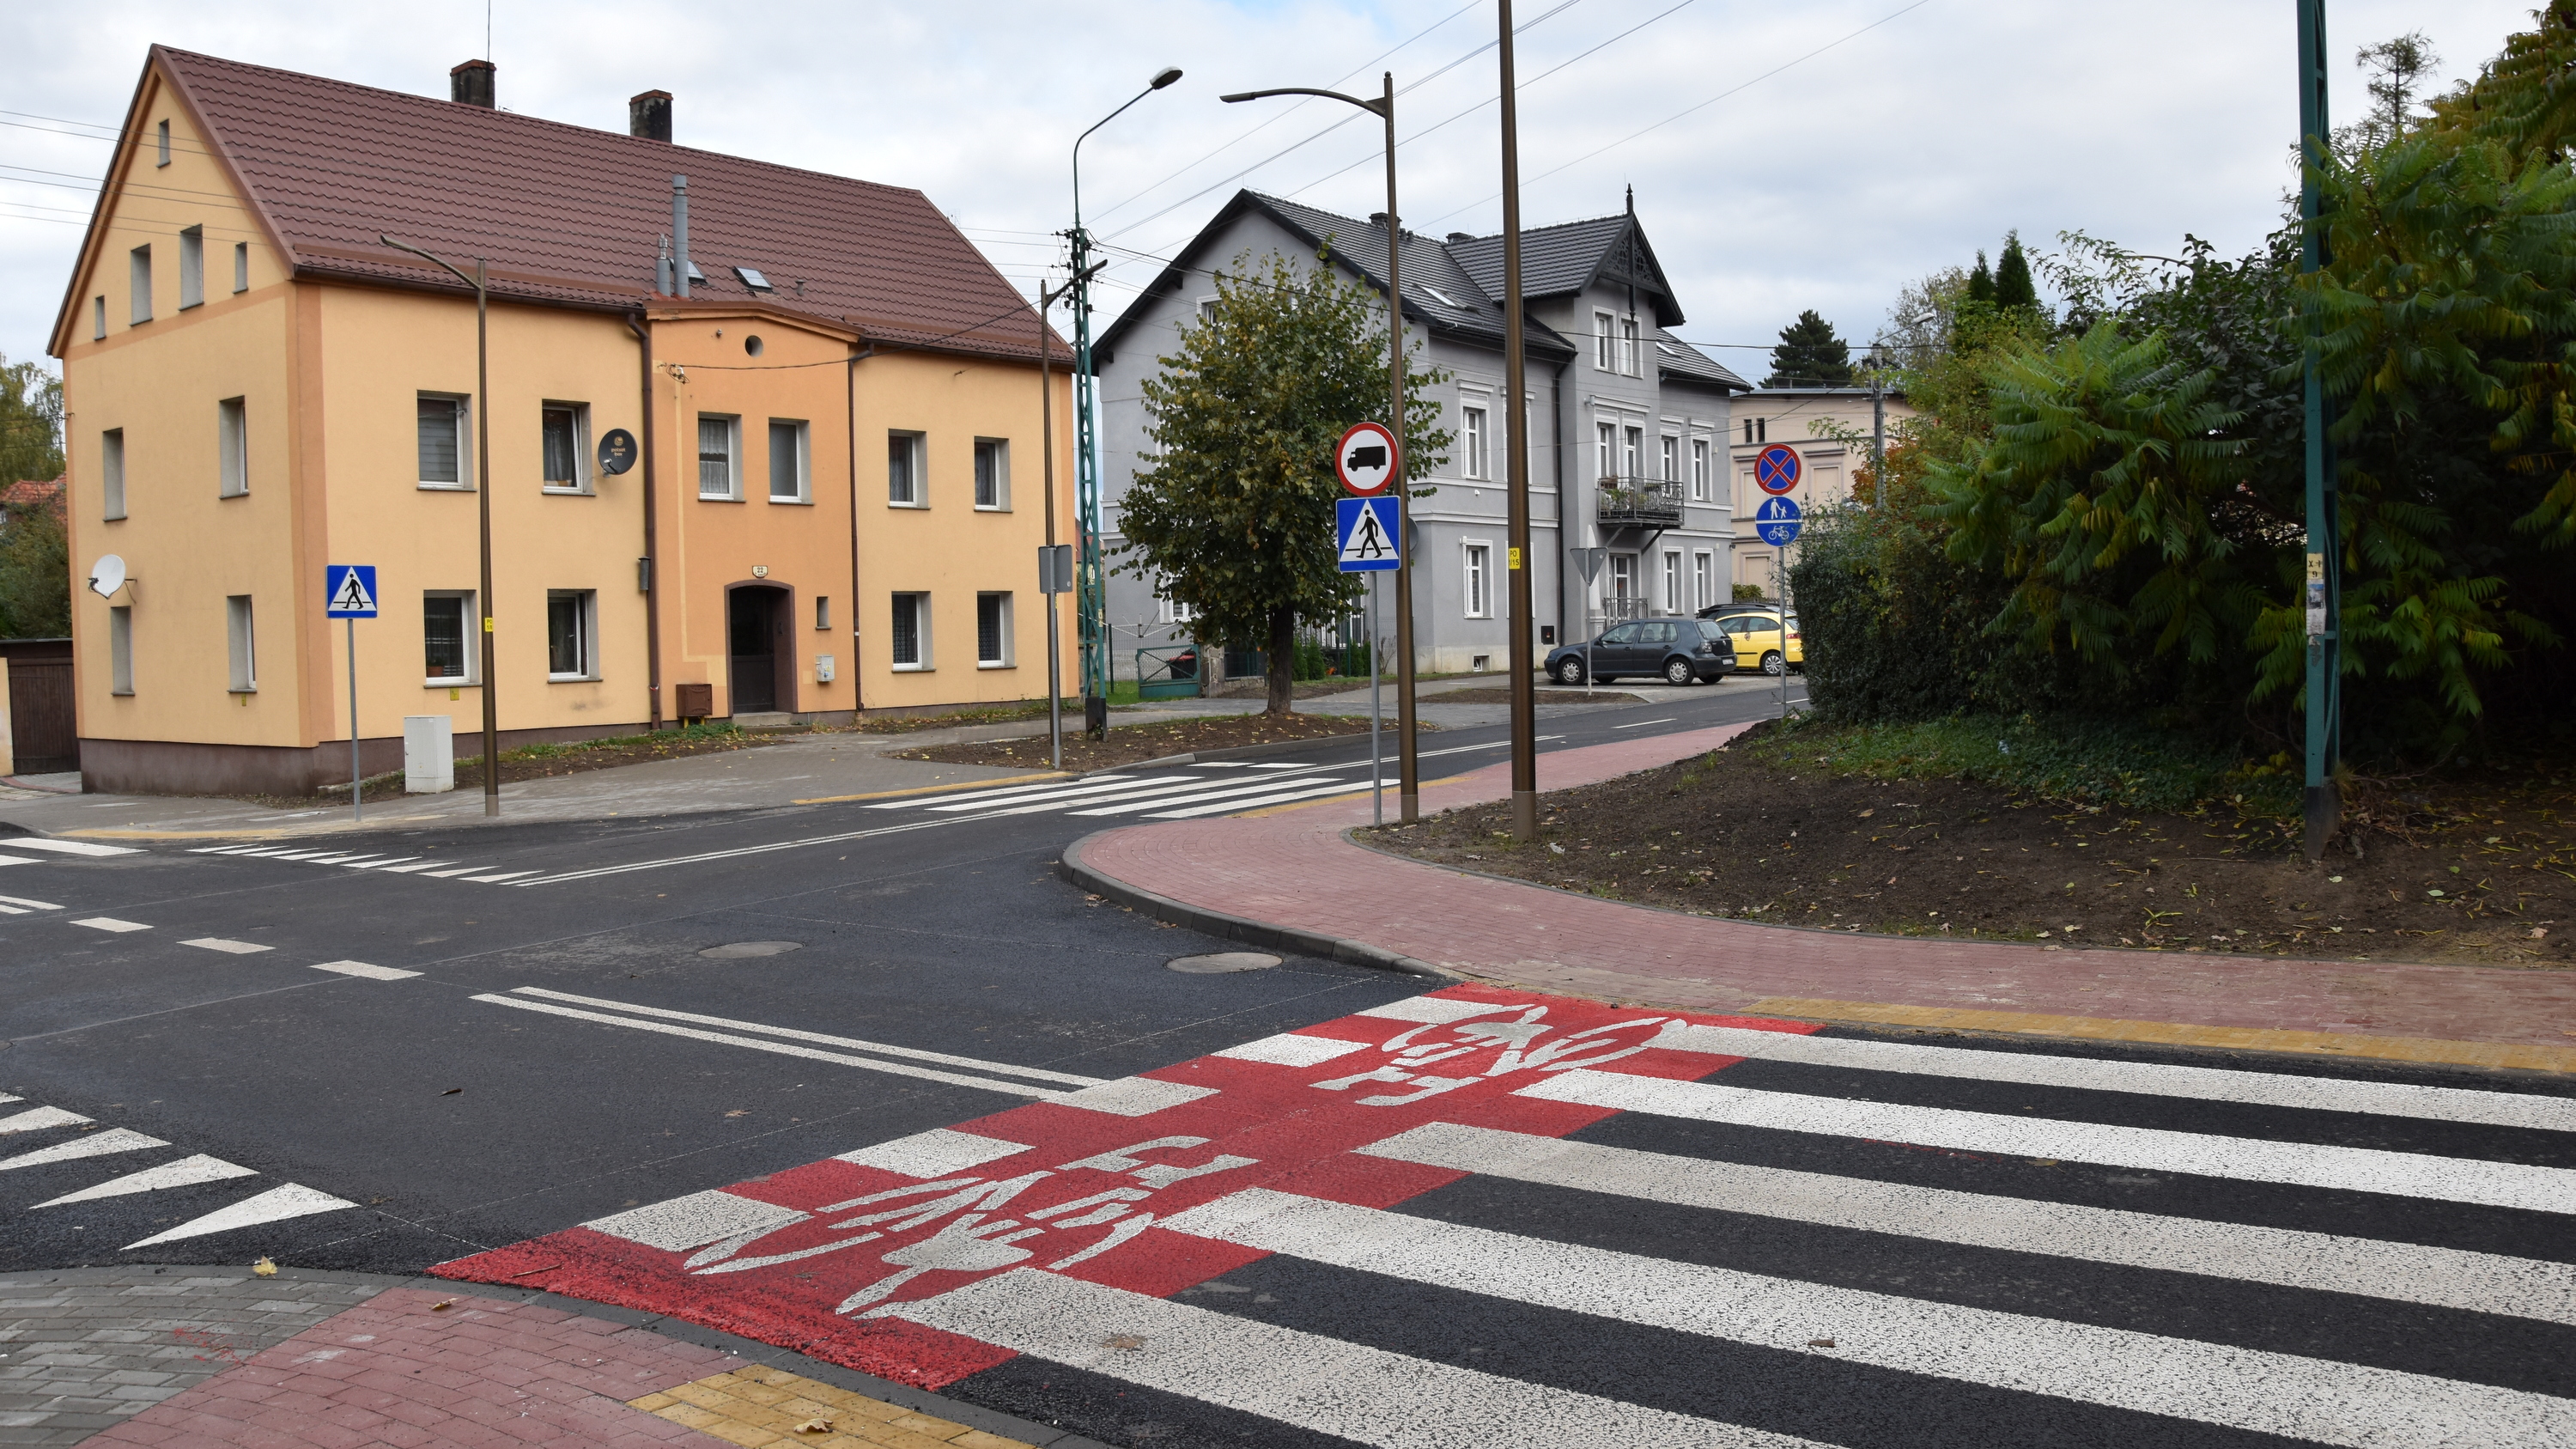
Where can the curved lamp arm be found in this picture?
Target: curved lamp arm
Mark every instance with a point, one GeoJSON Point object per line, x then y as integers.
{"type": "Point", "coordinates": [1377, 107]}
{"type": "Point", "coordinates": [415, 251]}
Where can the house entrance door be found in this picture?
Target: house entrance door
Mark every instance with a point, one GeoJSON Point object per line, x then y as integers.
{"type": "Point", "coordinates": [755, 626]}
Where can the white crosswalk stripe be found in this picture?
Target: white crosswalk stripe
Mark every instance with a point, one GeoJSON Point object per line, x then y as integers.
{"type": "Point", "coordinates": [1213, 789]}
{"type": "Point", "coordinates": [75, 1153]}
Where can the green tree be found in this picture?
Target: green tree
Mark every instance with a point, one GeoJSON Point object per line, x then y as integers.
{"type": "Point", "coordinates": [1981, 282]}
{"type": "Point", "coordinates": [31, 422]}
{"type": "Point", "coordinates": [2397, 69]}
{"type": "Point", "coordinates": [2013, 286]}
{"type": "Point", "coordinates": [1233, 511]}
{"type": "Point", "coordinates": [1810, 355]}
{"type": "Point", "coordinates": [35, 572]}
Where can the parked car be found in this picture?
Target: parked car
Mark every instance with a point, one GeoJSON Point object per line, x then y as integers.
{"type": "Point", "coordinates": [1756, 631]}
{"type": "Point", "coordinates": [1675, 650]}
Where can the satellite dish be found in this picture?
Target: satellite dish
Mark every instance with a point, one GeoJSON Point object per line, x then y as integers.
{"type": "Point", "coordinates": [107, 575]}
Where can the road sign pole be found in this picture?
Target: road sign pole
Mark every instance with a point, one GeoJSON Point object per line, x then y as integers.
{"type": "Point", "coordinates": [1516, 577]}
{"type": "Point", "coordinates": [2323, 587]}
{"type": "Point", "coordinates": [357, 787]}
{"type": "Point", "coordinates": [1377, 754]}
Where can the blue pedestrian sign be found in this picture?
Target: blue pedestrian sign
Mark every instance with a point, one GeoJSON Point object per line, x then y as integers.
{"type": "Point", "coordinates": [349, 591]}
{"type": "Point", "coordinates": [1368, 529]}
{"type": "Point", "coordinates": [1777, 521]}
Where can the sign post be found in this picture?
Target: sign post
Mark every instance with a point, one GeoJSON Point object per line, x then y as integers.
{"type": "Point", "coordinates": [349, 592]}
{"type": "Point", "coordinates": [1778, 523]}
{"type": "Point", "coordinates": [1369, 460]}
{"type": "Point", "coordinates": [1369, 534]}
{"type": "Point", "coordinates": [1587, 561]}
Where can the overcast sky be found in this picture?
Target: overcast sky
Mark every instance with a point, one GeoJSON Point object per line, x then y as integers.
{"type": "Point", "coordinates": [1901, 136]}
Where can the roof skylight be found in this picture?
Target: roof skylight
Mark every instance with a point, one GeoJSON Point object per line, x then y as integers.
{"type": "Point", "coordinates": [752, 278]}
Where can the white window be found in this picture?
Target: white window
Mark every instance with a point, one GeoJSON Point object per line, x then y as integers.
{"type": "Point", "coordinates": [1607, 463]}
{"type": "Point", "coordinates": [165, 145]}
{"type": "Point", "coordinates": [192, 268]}
{"type": "Point", "coordinates": [791, 465]}
{"type": "Point", "coordinates": [571, 627]}
{"type": "Point", "coordinates": [1672, 459]}
{"type": "Point", "coordinates": [1699, 470]}
{"type": "Point", "coordinates": [719, 456]}
{"type": "Point", "coordinates": [1479, 581]}
{"type": "Point", "coordinates": [992, 473]}
{"type": "Point", "coordinates": [111, 473]}
{"type": "Point", "coordinates": [447, 637]}
{"type": "Point", "coordinates": [1623, 585]}
{"type": "Point", "coordinates": [232, 441]}
{"type": "Point", "coordinates": [98, 319]}
{"type": "Point", "coordinates": [1207, 309]}
{"type": "Point", "coordinates": [1168, 612]}
{"type": "Point", "coordinates": [241, 266]}
{"type": "Point", "coordinates": [1672, 582]}
{"type": "Point", "coordinates": [992, 631]}
{"type": "Point", "coordinates": [1628, 346]}
{"type": "Point", "coordinates": [911, 631]}
{"type": "Point", "coordinates": [564, 428]}
{"type": "Point", "coordinates": [1476, 460]}
{"type": "Point", "coordinates": [120, 650]}
{"type": "Point", "coordinates": [138, 279]}
{"type": "Point", "coordinates": [905, 486]}
{"type": "Point", "coordinates": [1632, 457]}
{"type": "Point", "coordinates": [238, 646]}
{"type": "Point", "coordinates": [1703, 580]}
{"type": "Point", "coordinates": [1605, 344]}
{"type": "Point", "coordinates": [442, 441]}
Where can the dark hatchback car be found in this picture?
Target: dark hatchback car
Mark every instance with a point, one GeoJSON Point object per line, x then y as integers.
{"type": "Point", "coordinates": [1676, 650]}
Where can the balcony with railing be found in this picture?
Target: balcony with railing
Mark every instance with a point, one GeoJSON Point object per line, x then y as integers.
{"type": "Point", "coordinates": [1639, 502]}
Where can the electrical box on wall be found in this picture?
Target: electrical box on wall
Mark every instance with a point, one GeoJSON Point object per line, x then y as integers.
{"type": "Point", "coordinates": [822, 669]}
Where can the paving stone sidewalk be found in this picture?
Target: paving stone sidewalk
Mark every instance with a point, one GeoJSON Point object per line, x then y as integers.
{"type": "Point", "coordinates": [1295, 868]}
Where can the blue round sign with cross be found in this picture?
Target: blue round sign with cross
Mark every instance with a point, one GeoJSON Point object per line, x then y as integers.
{"type": "Point", "coordinates": [1776, 469]}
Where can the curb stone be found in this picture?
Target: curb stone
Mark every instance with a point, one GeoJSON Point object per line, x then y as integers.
{"type": "Point", "coordinates": [1237, 928]}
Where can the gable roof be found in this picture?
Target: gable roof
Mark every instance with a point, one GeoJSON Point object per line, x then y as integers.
{"type": "Point", "coordinates": [1678, 361]}
{"type": "Point", "coordinates": [1560, 260]}
{"type": "Point", "coordinates": [571, 216]}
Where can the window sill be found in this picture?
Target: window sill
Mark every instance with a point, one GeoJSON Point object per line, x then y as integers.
{"type": "Point", "coordinates": [450, 684]}
{"type": "Point", "coordinates": [226, 497]}
{"type": "Point", "coordinates": [717, 498]}
{"type": "Point", "coordinates": [992, 508]}
{"type": "Point", "coordinates": [565, 679]}
{"type": "Point", "coordinates": [792, 502]}
{"type": "Point", "coordinates": [566, 490]}
{"type": "Point", "coordinates": [446, 488]}
{"type": "Point", "coordinates": [113, 518]}
{"type": "Point", "coordinates": [917, 507]}
{"type": "Point", "coordinates": [254, 689]}
{"type": "Point", "coordinates": [120, 694]}
{"type": "Point", "coordinates": [912, 668]}
{"type": "Point", "coordinates": [995, 664]}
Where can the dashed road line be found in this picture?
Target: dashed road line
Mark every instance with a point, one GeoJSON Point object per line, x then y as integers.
{"type": "Point", "coordinates": [230, 948]}
{"type": "Point", "coordinates": [110, 923]}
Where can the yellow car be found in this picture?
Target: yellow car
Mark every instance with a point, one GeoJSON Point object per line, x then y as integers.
{"type": "Point", "coordinates": [1756, 632]}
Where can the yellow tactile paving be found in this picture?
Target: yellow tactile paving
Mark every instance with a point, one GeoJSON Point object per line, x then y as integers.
{"type": "Point", "coordinates": [2173, 1033]}
{"type": "Point", "coordinates": [758, 1407]}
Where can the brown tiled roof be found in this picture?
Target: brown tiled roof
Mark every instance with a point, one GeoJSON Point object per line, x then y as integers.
{"type": "Point", "coordinates": [575, 217]}
{"type": "Point", "coordinates": [34, 493]}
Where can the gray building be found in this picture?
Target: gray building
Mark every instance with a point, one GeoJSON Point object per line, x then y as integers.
{"type": "Point", "coordinates": [1629, 426]}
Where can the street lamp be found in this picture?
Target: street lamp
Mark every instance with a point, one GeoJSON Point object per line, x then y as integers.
{"type": "Point", "coordinates": [1408, 782]}
{"type": "Point", "coordinates": [1517, 525]}
{"type": "Point", "coordinates": [483, 492]}
{"type": "Point", "coordinates": [1091, 595]}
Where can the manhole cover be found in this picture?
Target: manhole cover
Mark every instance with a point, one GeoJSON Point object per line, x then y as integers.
{"type": "Point", "coordinates": [742, 949]}
{"type": "Point", "coordinates": [1220, 961]}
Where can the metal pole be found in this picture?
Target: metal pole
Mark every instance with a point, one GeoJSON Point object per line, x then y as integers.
{"type": "Point", "coordinates": [2324, 582]}
{"type": "Point", "coordinates": [1784, 631]}
{"type": "Point", "coordinates": [483, 495]}
{"type": "Point", "coordinates": [356, 786]}
{"type": "Point", "coordinates": [1046, 446]}
{"type": "Point", "coordinates": [1377, 756]}
{"type": "Point", "coordinates": [1408, 768]}
{"type": "Point", "coordinates": [1878, 434]}
{"type": "Point", "coordinates": [1515, 376]}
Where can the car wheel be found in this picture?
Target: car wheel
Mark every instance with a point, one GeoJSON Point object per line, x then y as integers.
{"type": "Point", "coordinates": [1570, 672]}
{"type": "Point", "coordinates": [1679, 671]}
{"type": "Point", "coordinates": [1773, 664]}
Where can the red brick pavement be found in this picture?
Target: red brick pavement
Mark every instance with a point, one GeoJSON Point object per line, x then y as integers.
{"type": "Point", "coordinates": [481, 1373]}
{"type": "Point", "coordinates": [1295, 868]}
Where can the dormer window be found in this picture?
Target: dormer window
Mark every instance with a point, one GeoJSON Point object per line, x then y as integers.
{"type": "Point", "coordinates": [1441, 297]}
{"type": "Point", "coordinates": [752, 279]}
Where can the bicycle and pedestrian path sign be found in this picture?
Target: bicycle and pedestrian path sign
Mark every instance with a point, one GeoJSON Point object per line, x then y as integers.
{"type": "Point", "coordinates": [1368, 530]}
{"type": "Point", "coordinates": [1777, 521]}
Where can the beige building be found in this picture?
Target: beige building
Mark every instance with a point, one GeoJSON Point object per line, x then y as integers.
{"type": "Point", "coordinates": [1812, 421]}
{"type": "Point", "coordinates": [763, 443]}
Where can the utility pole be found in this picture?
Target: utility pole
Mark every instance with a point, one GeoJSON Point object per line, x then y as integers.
{"type": "Point", "coordinates": [1515, 378]}
{"type": "Point", "coordinates": [1877, 431]}
{"type": "Point", "coordinates": [2324, 581]}
{"type": "Point", "coordinates": [1047, 580]}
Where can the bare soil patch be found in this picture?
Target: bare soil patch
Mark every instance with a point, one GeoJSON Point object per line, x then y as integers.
{"type": "Point", "coordinates": [1127, 744]}
{"type": "Point", "coordinates": [2479, 868]}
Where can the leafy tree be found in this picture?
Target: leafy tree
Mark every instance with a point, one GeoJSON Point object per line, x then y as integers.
{"type": "Point", "coordinates": [2397, 69]}
{"type": "Point", "coordinates": [31, 422]}
{"type": "Point", "coordinates": [1981, 282]}
{"type": "Point", "coordinates": [1234, 508]}
{"type": "Point", "coordinates": [2013, 286]}
{"type": "Point", "coordinates": [1810, 355]}
{"type": "Point", "coordinates": [35, 572]}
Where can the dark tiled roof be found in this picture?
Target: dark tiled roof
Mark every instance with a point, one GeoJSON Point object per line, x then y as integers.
{"type": "Point", "coordinates": [574, 216]}
{"type": "Point", "coordinates": [1675, 358]}
{"type": "Point", "coordinates": [1563, 259]}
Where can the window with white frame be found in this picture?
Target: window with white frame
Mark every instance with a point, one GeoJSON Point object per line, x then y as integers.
{"type": "Point", "coordinates": [111, 474]}
{"type": "Point", "coordinates": [1632, 456]}
{"type": "Point", "coordinates": [232, 443]}
{"type": "Point", "coordinates": [572, 626]}
{"type": "Point", "coordinates": [241, 266]}
{"type": "Point", "coordinates": [240, 653]}
{"type": "Point", "coordinates": [1672, 459]}
{"type": "Point", "coordinates": [120, 649]}
{"type": "Point", "coordinates": [442, 441]}
{"type": "Point", "coordinates": [719, 456]}
{"type": "Point", "coordinates": [905, 487]}
{"type": "Point", "coordinates": [992, 631]}
{"type": "Point", "coordinates": [992, 473]}
{"type": "Point", "coordinates": [911, 632]}
{"type": "Point", "coordinates": [192, 268]}
{"type": "Point", "coordinates": [1672, 602]}
{"type": "Point", "coordinates": [565, 429]}
{"type": "Point", "coordinates": [791, 462]}
{"type": "Point", "coordinates": [138, 279]}
{"type": "Point", "coordinates": [446, 637]}
{"type": "Point", "coordinates": [1605, 343]}
{"type": "Point", "coordinates": [1478, 590]}
{"type": "Point", "coordinates": [1207, 309]}
{"type": "Point", "coordinates": [1628, 361]}
{"type": "Point", "coordinates": [1623, 582]}
{"type": "Point", "coordinates": [1167, 610]}
{"type": "Point", "coordinates": [1699, 470]}
{"type": "Point", "coordinates": [1703, 579]}
{"type": "Point", "coordinates": [1475, 457]}
{"type": "Point", "coordinates": [1606, 463]}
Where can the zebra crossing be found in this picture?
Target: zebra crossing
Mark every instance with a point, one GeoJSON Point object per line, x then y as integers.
{"type": "Point", "coordinates": [428, 867]}
{"type": "Point", "coordinates": [98, 1165]}
{"type": "Point", "coordinates": [1183, 794]}
{"type": "Point", "coordinates": [1485, 1216]}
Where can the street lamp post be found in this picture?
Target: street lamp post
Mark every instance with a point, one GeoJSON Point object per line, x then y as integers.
{"type": "Point", "coordinates": [1515, 374]}
{"type": "Point", "coordinates": [483, 504]}
{"type": "Point", "coordinates": [2323, 586]}
{"type": "Point", "coordinates": [1091, 594]}
{"type": "Point", "coordinates": [1408, 781]}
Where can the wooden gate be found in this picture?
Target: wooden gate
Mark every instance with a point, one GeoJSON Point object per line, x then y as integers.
{"type": "Point", "coordinates": [42, 724]}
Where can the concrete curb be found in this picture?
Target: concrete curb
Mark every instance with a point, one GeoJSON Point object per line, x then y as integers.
{"type": "Point", "coordinates": [1237, 928]}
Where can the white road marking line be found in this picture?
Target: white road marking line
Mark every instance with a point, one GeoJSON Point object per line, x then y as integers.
{"type": "Point", "coordinates": [2209, 1383]}
{"type": "Point", "coordinates": [186, 1172]}
{"type": "Point", "coordinates": [2217, 1084]}
{"type": "Point", "coordinates": [408, 869]}
{"type": "Point", "coordinates": [1438, 1010]}
{"type": "Point", "coordinates": [989, 1084]}
{"type": "Point", "coordinates": [675, 1225]}
{"type": "Point", "coordinates": [1276, 767]}
{"type": "Point", "coordinates": [378, 864]}
{"type": "Point", "coordinates": [1177, 789]}
{"type": "Point", "coordinates": [18, 860]}
{"type": "Point", "coordinates": [361, 968]}
{"type": "Point", "coordinates": [299, 854]}
{"type": "Point", "coordinates": [111, 923]}
{"type": "Point", "coordinates": [96, 1144]}
{"type": "Point", "coordinates": [1288, 1049]}
{"type": "Point", "coordinates": [1641, 724]}
{"type": "Point", "coordinates": [36, 1119]}
{"type": "Point", "coordinates": [1074, 793]}
{"type": "Point", "coordinates": [460, 870]}
{"type": "Point", "coordinates": [265, 850]}
{"type": "Point", "coordinates": [744, 850]}
{"type": "Point", "coordinates": [2245, 1159]}
{"type": "Point", "coordinates": [1134, 1096]}
{"type": "Point", "coordinates": [1323, 1385]}
{"type": "Point", "coordinates": [505, 875]}
{"type": "Point", "coordinates": [13, 910]}
{"type": "Point", "coordinates": [818, 1038]}
{"type": "Point", "coordinates": [1014, 793]}
{"type": "Point", "coordinates": [30, 905]}
{"type": "Point", "coordinates": [2326, 1262]}
{"type": "Point", "coordinates": [333, 858]}
{"type": "Point", "coordinates": [70, 847]}
{"type": "Point", "coordinates": [1226, 806]}
{"type": "Point", "coordinates": [294, 1200]}
{"type": "Point", "coordinates": [1203, 794]}
{"type": "Point", "coordinates": [939, 1152]}
{"type": "Point", "coordinates": [5, 1097]}
{"type": "Point", "coordinates": [230, 948]}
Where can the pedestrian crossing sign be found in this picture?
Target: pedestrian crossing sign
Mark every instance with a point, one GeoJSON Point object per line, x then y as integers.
{"type": "Point", "coordinates": [349, 591]}
{"type": "Point", "coordinates": [1368, 529]}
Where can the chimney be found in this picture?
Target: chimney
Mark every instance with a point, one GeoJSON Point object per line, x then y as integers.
{"type": "Point", "coordinates": [680, 235]}
{"type": "Point", "coordinates": [649, 115]}
{"type": "Point", "coordinates": [470, 84]}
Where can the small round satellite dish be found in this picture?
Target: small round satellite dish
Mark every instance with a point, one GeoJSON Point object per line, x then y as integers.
{"type": "Point", "coordinates": [107, 575]}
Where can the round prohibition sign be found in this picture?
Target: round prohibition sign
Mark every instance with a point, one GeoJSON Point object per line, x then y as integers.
{"type": "Point", "coordinates": [1365, 459]}
{"type": "Point", "coordinates": [1776, 469]}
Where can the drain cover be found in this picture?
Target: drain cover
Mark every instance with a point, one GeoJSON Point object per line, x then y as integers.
{"type": "Point", "coordinates": [742, 949]}
{"type": "Point", "coordinates": [1220, 961]}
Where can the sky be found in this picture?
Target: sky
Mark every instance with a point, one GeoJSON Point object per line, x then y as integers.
{"type": "Point", "coordinates": [1817, 155]}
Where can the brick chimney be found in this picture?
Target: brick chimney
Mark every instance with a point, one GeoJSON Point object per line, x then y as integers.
{"type": "Point", "coordinates": [470, 84]}
{"type": "Point", "coordinates": [649, 115]}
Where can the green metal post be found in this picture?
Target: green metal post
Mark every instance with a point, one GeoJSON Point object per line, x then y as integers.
{"type": "Point", "coordinates": [2322, 587]}
{"type": "Point", "coordinates": [1091, 592]}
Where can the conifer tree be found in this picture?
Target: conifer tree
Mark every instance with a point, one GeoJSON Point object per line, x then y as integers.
{"type": "Point", "coordinates": [2013, 287]}
{"type": "Point", "coordinates": [1981, 282]}
{"type": "Point", "coordinates": [1810, 355]}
